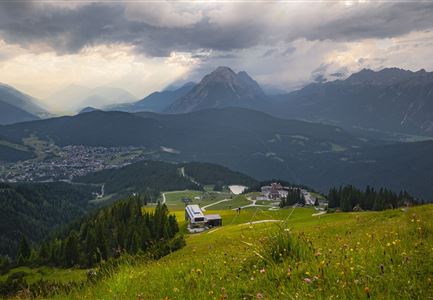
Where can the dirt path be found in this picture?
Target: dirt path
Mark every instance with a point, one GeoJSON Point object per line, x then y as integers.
{"type": "Point", "coordinates": [215, 203]}
{"type": "Point", "coordinates": [261, 221]}
{"type": "Point", "coordinates": [319, 213]}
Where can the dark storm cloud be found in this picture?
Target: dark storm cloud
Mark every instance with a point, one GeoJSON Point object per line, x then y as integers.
{"type": "Point", "coordinates": [69, 29]}
{"type": "Point", "coordinates": [374, 21]}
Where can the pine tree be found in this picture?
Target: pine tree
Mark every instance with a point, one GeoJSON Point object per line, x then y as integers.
{"type": "Point", "coordinates": [71, 251]}
{"type": "Point", "coordinates": [24, 250]}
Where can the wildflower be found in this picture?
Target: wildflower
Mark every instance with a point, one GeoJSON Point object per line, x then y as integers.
{"type": "Point", "coordinates": [262, 270]}
{"type": "Point", "coordinates": [210, 293]}
{"type": "Point", "coordinates": [175, 290]}
{"type": "Point", "coordinates": [307, 280]}
{"type": "Point", "coordinates": [259, 296]}
{"type": "Point", "coordinates": [307, 273]}
{"type": "Point", "coordinates": [367, 291]}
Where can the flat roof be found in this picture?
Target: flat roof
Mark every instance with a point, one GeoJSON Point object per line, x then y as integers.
{"type": "Point", "coordinates": [194, 211]}
{"type": "Point", "coordinates": [213, 217]}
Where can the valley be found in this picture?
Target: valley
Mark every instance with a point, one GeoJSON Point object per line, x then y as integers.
{"type": "Point", "coordinates": [189, 150]}
{"type": "Point", "coordinates": [53, 163]}
{"type": "Point", "coordinates": [248, 141]}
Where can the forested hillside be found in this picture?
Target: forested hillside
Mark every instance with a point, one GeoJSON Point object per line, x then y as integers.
{"type": "Point", "coordinates": [123, 227]}
{"type": "Point", "coordinates": [152, 177]}
{"type": "Point", "coordinates": [211, 174]}
{"type": "Point", "coordinates": [34, 210]}
{"type": "Point", "coordinates": [12, 154]}
{"type": "Point", "coordinates": [349, 198]}
{"type": "Point", "coordinates": [146, 177]}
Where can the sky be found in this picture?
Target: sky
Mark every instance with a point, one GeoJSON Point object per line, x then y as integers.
{"type": "Point", "coordinates": [144, 46]}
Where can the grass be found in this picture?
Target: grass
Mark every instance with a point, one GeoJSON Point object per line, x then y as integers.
{"type": "Point", "coordinates": [236, 202]}
{"type": "Point", "coordinates": [378, 255]}
{"type": "Point", "coordinates": [49, 274]}
{"type": "Point", "coordinates": [174, 199]}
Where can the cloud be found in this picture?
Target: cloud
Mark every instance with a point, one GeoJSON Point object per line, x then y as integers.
{"type": "Point", "coordinates": [143, 47]}
{"type": "Point", "coordinates": [157, 29]}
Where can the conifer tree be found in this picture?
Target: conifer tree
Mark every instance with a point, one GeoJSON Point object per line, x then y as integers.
{"type": "Point", "coordinates": [71, 251]}
{"type": "Point", "coordinates": [24, 250]}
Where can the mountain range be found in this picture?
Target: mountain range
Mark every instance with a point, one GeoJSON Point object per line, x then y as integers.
{"type": "Point", "coordinates": [155, 102]}
{"type": "Point", "coordinates": [75, 97]}
{"type": "Point", "coordinates": [389, 100]}
{"type": "Point", "coordinates": [16, 106]}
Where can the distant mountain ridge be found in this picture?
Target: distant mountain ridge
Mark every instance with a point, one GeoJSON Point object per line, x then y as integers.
{"type": "Point", "coordinates": [391, 99]}
{"type": "Point", "coordinates": [388, 100]}
{"type": "Point", "coordinates": [75, 97]}
{"type": "Point", "coordinates": [155, 102]}
{"type": "Point", "coordinates": [16, 106]}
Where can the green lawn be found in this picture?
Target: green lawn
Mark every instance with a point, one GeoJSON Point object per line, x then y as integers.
{"type": "Point", "coordinates": [174, 199]}
{"type": "Point", "coordinates": [236, 202]}
{"type": "Point", "coordinates": [378, 255]}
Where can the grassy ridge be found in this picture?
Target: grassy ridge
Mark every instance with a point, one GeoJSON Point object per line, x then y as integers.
{"type": "Point", "coordinates": [379, 255]}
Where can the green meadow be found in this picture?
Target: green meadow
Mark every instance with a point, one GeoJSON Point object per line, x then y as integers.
{"type": "Point", "coordinates": [287, 254]}
{"type": "Point", "coordinates": [33, 275]}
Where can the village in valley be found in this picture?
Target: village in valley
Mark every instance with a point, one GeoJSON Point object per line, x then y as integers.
{"type": "Point", "coordinates": [202, 210]}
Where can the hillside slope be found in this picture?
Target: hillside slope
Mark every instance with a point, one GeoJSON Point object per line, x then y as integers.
{"type": "Point", "coordinates": [10, 114]}
{"type": "Point", "coordinates": [25, 107]}
{"type": "Point", "coordinates": [35, 210]}
{"type": "Point", "coordinates": [356, 255]}
{"type": "Point", "coordinates": [154, 177]}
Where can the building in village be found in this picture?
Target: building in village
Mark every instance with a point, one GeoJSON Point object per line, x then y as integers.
{"type": "Point", "coordinates": [275, 191]}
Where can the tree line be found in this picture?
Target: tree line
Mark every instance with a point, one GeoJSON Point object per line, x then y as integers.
{"type": "Point", "coordinates": [349, 198]}
{"type": "Point", "coordinates": [124, 227]}
{"type": "Point", "coordinates": [35, 209]}
{"type": "Point", "coordinates": [294, 196]}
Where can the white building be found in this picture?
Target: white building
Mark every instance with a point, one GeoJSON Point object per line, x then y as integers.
{"type": "Point", "coordinates": [199, 222]}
